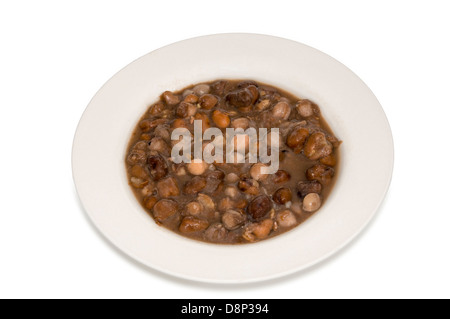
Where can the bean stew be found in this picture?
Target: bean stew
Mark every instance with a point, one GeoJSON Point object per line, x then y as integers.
{"type": "Point", "coordinates": [232, 203]}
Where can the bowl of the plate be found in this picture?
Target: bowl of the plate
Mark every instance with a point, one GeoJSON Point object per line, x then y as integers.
{"type": "Point", "coordinates": [347, 104]}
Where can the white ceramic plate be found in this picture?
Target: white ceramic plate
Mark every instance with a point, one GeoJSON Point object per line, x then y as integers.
{"type": "Point", "coordinates": [348, 105]}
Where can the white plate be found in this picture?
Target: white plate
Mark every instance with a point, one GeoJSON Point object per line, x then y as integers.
{"type": "Point", "coordinates": [348, 105]}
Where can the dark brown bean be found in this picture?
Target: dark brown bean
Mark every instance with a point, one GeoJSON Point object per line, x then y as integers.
{"type": "Point", "coordinates": [158, 167]}
{"type": "Point", "coordinates": [320, 173]}
{"type": "Point", "coordinates": [317, 146]}
{"type": "Point", "coordinates": [208, 101]}
{"type": "Point", "coordinates": [164, 209]}
{"type": "Point", "coordinates": [296, 139]}
{"type": "Point", "coordinates": [242, 98]}
{"type": "Point", "coordinates": [259, 207]}
{"type": "Point", "coordinates": [168, 187]}
{"type": "Point", "coordinates": [281, 177]}
{"type": "Point", "coordinates": [195, 185]}
{"type": "Point", "coordinates": [193, 224]}
{"type": "Point", "coordinates": [282, 196]}
{"type": "Point", "coordinates": [307, 187]}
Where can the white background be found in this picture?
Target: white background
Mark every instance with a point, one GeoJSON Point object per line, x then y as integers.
{"type": "Point", "coordinates": [55, 55]}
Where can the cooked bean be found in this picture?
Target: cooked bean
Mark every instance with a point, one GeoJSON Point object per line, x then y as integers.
{"type": "Point", "coordinates": [281, 111]}
{"type": "Point", "coordinates": [296, 139]}
{"type": "Point", "coordinates": [164, 209]}
{"type": "Point", "coordinates": [193, 224]}
{"type": "Point", "coordinates": [150, 201]}
{"type": "Point", "coordinates": [187, 92]}
{"type": "Point", "coordinates": [233, 219]}
{"type": "Point", "coordinates": [191, 98]}
{"type": "Point", "coordinates": [231, 191]}
{"type": "Point", "coordinates": [195, 185]}
{"type": "Point", "coordinates": [219, 87]}
{"type": "Point", "coordinates": [249, 186]}
{"type": "Point", "coordinates": [304, 188]}
{"type": "Point", "coordinates": [201, 89]}
{"type": "Point", "coordinates": [194, 208]}
{"type": "Point", "coordinates": [305, 108]}
{"type": "Point", "coordinates": [264, 104]}
{"type": "Point", "coordinates": [208, 101]}
{"type": "Point", "coordinates": [263, 229]}
{"type": "Point", "coordinates": [206, 123]}
{"type": "Point", "coordinates": [186, 110]}
{"type": "Point", "coordinates": [281, 177]}
{"type": "Point", "coordinates": [282, 196]}
{"type": "Point", "coordinates": [149, 189]}
{"type": "Point", "coordinates": [320, 173]}
{"type": "Point", "coordinates": [317, 146]}
{"type": "Point", "coordinates": [286, 219]}
{"type": "Point", "coordinates": [156, 109]}
{"type": "Point", "coordinates": [170, 98]}
{"type": "Point", "coordinates": [256, 172]}
{"type": "Point", "coordinates": [216, 233]}
{"type": "Point", "coordinates": [226, 204]}
{"type": "Point", "coordinates": [242, 98]}
{"type": "Point", "coordinates": [259, 207]}
{"type": "Point", "coordinates": [157, 144]}
{"type": "Point", "coordinates": [311, 202]}
{"type": "Point", "coordinates": [241, 122]}
{"type": "Point", "coordinates": [213, 180]}
{"type": "Point", "coordinates": [138, 171]}
{"type": "Point", "coordinates": [247, 83]}
{"type": "Point", "coordinates": [197, 168]}
{"type": "Point", "coordinates": [206, 201]}
{"type": "Point", "coordinates": [162, 132]}
{"type": "Point", "coordinates": [138, 182]}
{"type": "Point", "coordinates": [137, 157]}
{"type": "Point", "coordinates": [168, 187]}
{"type": "Point", "coordinates": [221, 119]}
{"type": "Point", "coordinates": [329, 160]}
{"type": "Point", "coordinates": [141, 146]}
{"type": "Point", "coordinates": [258, 230]}
{"type": "Point", "coordinates": [179, 123]}
{"type": "Point", "coordinates": [231, 178]}
{"type": "Point", "coordinates": [158, 167]}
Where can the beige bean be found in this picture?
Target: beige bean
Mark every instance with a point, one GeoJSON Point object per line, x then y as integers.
{"type": "Point", "coordinates": [312, 202]}
{"type": "Point", "coordinates": [197, 168]}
